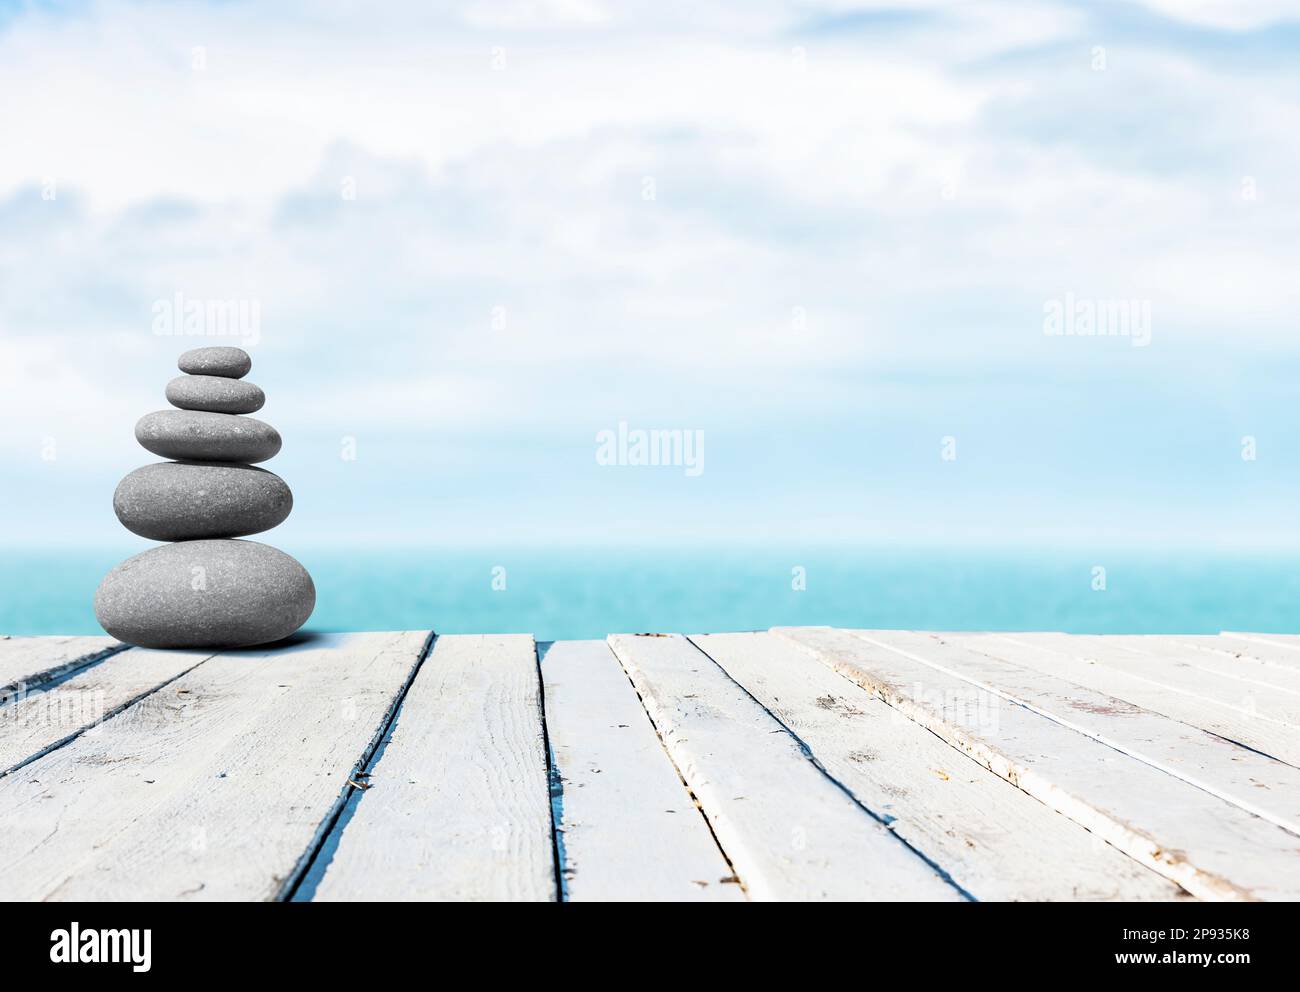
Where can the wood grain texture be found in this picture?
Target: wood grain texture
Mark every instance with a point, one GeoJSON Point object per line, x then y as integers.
{"type": "Point", "coordinates": [1210, 847]}
{"type": "Point", "coordinates": [786, 827]}
{"type": "Point", "coordinates": [26, 662]}
{"type": "Point", "coordinates": [1256, 701]}
{"type": "Point", "coordinates": [1251, 673]}
{"type": "Point", "coordinates": [40, 720]}
{"type": "Point", "coordinates": [994, 840]}
{"type": "Point", "coordinates": [211, 788]}
{"type": "Point", "coordinates": [458, 804]}
{"type": "Point", "coordinates": [1268, 788]}
{"type": "Point", "coordinates": [627, 826]}
{"type": "Point", "coordinates": [1282, 650]}
{"type": "Point", "coordinates": [1055, 657]}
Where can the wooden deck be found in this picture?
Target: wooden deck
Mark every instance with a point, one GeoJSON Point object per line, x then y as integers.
{"type": "Point", "coordinates": [798, 763]}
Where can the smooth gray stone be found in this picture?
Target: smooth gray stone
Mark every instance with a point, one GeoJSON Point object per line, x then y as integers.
{"type": "Point", "coordinates": [215, 394]}
{"type": "Point", "coordinates": [184, 501]}
{"type": "Point", "coordinates": [232, 363]}
{"type": "Point", "coordinates": [207, 437]}
{"type": "Point", "coordinates": [205, 594]}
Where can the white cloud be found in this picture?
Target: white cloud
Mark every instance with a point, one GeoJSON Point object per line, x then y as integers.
{"type": "Point", "coordinates": [1230, 14]}
{"type": "Point", "coordinates": [832, 228]}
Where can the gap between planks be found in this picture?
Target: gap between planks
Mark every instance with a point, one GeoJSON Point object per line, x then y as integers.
{"type": "Point", "coordinates": [1212, 848]}
{"type": "Point", "coordinates": [1239, 725]}
{"type": "Point", "coordinates": [1257, 783]}
{"type": "Point", "coordinates": [1168, 666]}
{"type": "Point", "coordinates": [209, 758]}
{"type": "Point", "coordinates": [471, 822]}
{"type": "Point", "coordinates": [28, 663]}
{"type": "Point", "coordinates": [790, 829]}
{"type": "Point", "coordinates": [627, 826]}
{"type": "Point", "coordinates": [302, 880]}
{"type": "Point", "coordinates": [78, 673]}
{"type": "Point", "coordinates": [37, 723]}
{"type": "Point", "coordinates": [995, 841]}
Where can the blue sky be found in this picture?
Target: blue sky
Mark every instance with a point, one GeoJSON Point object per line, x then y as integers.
{"type": "Point", "coordinates": [823, 234]}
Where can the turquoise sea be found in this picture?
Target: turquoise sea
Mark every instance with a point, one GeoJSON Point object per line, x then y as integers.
{"type": "Point", "coordinates": [591, 592]}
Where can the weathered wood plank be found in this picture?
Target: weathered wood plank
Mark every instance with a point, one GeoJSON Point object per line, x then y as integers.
{"type": "Point", "coordinates": [26, 662]}
{"type": "Point", "coordinates": [1276, 649]}
{"type": "Point", "coordinates": [211, 788]}
{"type": "Point", "coordinates": [627, 826]}
{"type": "Point", "coordinates": [787, 828]}
{"type": "Point", "coordinates": [1213, 849]}
{"type": "Point", "coordinates": [1255, 674]}
{"type": "Point", "coordinates": [1261, 701]}
{"type": "Point", "coordinates": [994, 840]}
{"type": "Point", "coordinates": [1268, 788]}
{"type": "Point", "coordinates": [38, 721]}
{"type": "Point", "coordinates": [458, 804]}
{"type": "Point", "coordinates": [1236, 723]}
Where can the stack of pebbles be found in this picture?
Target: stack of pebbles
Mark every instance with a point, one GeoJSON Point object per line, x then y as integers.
{"type": "Point", "coordinates": [206, 589]}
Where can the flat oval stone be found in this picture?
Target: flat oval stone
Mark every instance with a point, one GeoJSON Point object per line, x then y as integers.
{"type": "Point", "coordinates": [183, 501]}
{"type": "Point", "coordinates": [205, 594]}
{"type": "Point", "coordinates": [207, 437]}
{"type": "Point", "coordinates": [232, 363]}
{"type": "Point", "coordinates": [214, 393]}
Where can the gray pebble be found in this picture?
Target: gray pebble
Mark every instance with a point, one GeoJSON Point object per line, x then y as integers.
{"type": "Point", "coordinates": [214, 393]}
{"type": "Point", "coordinates": [201, 436]}
{"type": "Point", "coordinates": [232, 363]}
{"type": "Point", "coordinates": [207, 594]}
{"type": "Point", "coordinates": [182, 501]}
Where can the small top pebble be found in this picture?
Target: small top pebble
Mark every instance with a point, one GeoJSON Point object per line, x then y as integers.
{"type": "Point", "coordinates": [230, 363]}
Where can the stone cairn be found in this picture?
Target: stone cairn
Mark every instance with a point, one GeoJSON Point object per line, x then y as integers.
{"type": "Point", "coordinates": [206, 589]}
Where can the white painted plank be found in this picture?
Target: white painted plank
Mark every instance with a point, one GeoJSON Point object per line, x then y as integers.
{"type": "Point", "coordinates": [1236, 723]}
{"type": "Point", "coordinates": [28, 661]}
{"type": "Point", "coordinates": [627, 826]}
{"type": "Point", "coordinates": [39, 720]}
{"type": "Point", "coordinates": [994, 840]}
{"type": "Point", "coordinates": [1210, 847]}
{"type": "Point", "coordinates": [1262, 701]}
{"type": "Point", "coordinates": [1269, 650]}
{"type": "Point", "coordinates": [789, 831]}
{"type": "Point", "coordinates": [1282, 650]}
{"type": "Point", "coordinates": [1255, 674]}
{"type": "Point", "coordinates": [211, 788]}
{"type": "Point", "coordinates": [1255, 782]}
{"type": "Point", "coordinates": [458, 806]}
